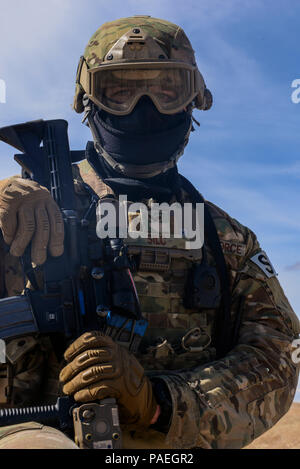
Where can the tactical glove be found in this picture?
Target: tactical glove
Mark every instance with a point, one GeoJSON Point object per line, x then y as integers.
{"type": "Point", "coordinates": [98, 368]}
{"type": "Point", "coordinates": [29, 213]}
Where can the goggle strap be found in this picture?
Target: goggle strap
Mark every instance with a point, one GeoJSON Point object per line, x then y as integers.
{"type": "Point", "coordinates": [79, 68]}
{"type": "Point", "coordinates": [83, 78]}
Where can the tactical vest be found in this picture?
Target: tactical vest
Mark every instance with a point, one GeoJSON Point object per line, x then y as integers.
{"type": "Point", "coordinates": [178, 336]}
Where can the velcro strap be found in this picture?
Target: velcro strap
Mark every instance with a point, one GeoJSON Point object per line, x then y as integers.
{"type": "Point", "coordinates": [155, 259]}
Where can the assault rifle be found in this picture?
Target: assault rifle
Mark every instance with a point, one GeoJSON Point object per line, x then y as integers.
{"type": "Point", "coordinates": [90, 287]}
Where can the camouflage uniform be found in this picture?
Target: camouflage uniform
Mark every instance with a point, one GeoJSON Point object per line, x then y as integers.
{"type": "Point", "coordinates": [223, 403]}
{"type": "Point", "coordinates": [217, 403]}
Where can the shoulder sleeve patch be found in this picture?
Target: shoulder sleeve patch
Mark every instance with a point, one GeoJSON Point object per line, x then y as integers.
{"type": "Point", "coordinates": [263, 262]}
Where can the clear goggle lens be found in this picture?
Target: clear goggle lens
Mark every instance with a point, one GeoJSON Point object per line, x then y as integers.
{"type": "Point", "coordinates": [118, 90]}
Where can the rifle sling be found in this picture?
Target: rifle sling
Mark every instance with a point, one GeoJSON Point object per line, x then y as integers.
{"type": "Point", "coordinates": [223, 342]}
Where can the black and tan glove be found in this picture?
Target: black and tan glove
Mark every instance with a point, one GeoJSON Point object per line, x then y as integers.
{"type": "Point", "coordinates": [98, 368]}
{"type": "Point", "coordinates": [29, 213]}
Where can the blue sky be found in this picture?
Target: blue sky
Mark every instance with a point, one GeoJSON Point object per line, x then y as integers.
{"type": "Point", "coordinates": [245, 157]}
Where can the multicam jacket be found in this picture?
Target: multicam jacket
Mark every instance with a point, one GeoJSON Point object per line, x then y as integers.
{"type": "Point", "coordinates": [217, 403]}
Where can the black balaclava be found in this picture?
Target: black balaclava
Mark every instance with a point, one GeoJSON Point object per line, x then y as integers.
{"type": "Point", "coordinates": [144, 141]}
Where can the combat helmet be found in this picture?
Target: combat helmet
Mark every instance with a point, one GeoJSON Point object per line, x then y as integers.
{"type": "Point", "coordinates": [136, 56]}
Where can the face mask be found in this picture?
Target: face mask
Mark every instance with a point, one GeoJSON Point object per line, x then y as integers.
{"type": "Point", "coordinates": [143, 137]}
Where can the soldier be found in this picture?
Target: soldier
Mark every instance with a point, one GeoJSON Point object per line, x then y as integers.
{"type": "Point", "coordinates": [213, 371]}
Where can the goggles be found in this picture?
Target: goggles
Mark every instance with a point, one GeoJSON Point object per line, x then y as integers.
{"type": "Point", "coordinates": [117, 88]}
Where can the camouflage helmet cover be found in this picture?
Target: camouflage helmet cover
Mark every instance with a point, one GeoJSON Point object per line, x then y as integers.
{"type": "Point", "coordinates": [167, 37]}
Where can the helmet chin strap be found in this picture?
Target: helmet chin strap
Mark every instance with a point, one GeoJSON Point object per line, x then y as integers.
{"type": "Point", "coordinates": [130, 170]}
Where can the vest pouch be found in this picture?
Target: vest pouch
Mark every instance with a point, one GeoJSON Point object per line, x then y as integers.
{"type": "Point", "coordinates": [203, 289]}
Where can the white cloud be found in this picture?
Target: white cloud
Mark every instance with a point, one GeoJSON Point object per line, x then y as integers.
{"type": "Point", "coordinates": [246, 190]}
{"type": "Point", "coordinates": [294, 266]}
{"type": "Point", "coordinates": [290, 282]}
